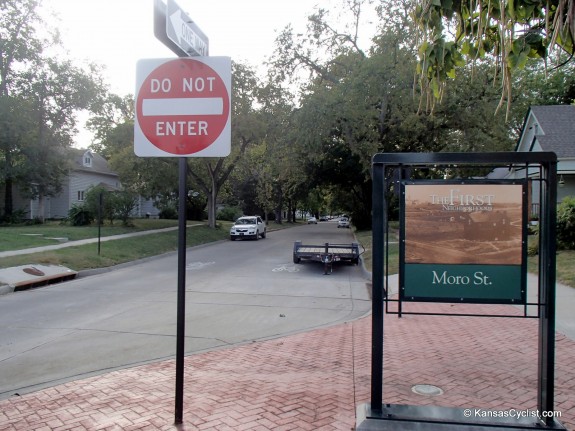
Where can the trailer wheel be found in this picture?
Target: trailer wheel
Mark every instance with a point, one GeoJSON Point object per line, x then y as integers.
{"type": "Point", "coordinates": [296, 258]}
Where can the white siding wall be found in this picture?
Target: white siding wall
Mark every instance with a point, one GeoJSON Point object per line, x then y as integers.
{"type": "Point", "coordinates": [144, 207]}
{"type": "Point", "coordinates": [81, 181]}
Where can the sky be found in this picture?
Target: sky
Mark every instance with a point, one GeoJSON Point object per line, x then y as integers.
{"type": "Point", "coordinates": [117, 33]}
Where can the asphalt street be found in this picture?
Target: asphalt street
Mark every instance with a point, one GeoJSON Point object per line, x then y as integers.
{"type": "Point", "coordinates": [236, 292]}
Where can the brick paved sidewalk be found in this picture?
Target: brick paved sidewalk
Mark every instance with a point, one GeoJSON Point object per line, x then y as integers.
{"type": "Point", "coordinates": [313, 380]}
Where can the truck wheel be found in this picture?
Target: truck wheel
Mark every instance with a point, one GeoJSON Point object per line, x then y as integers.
{"type": "Point", "coordinates": [296, 259]}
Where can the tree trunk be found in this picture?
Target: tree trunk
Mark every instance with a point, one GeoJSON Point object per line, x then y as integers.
{"type": "Point", "coordinates": [289, 212]}
{"type": "Point", "coordinates": [212, 197]}
{"type": "Point", "coordinates": [8, 200]}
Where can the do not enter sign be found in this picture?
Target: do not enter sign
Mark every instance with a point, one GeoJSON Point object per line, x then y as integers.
{"type": "Point", "coordinates": [183, 107]}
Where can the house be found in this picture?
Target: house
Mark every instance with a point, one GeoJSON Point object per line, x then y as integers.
{"type": "Point", "coordinates": [547, 128]}
{"type": "Point", "coordinates": [89, 169]}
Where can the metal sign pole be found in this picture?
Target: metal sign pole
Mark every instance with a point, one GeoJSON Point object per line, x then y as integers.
{"type": "Point", "coordinates": [100, 203]}
{"type": "Point", "coordinates": [181, 323]}
{"type": "Point", "coordinates": [170, 22]}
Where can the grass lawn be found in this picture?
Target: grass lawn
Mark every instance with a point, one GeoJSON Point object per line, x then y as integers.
{"type": "Point", "coordinates": [37, 235]}
{"type": "Point", "coordinates": [111, 252]}
{"type": "Point", "coordinates": [564, 264]}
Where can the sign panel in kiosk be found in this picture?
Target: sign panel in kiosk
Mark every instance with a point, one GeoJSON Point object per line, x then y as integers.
{"type": "Point", "coordinates": [463, 241]}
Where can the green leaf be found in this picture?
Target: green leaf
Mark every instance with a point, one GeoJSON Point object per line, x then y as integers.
{"type": "Point", "coordinates": [512, 60]}
{"type": "Point", "coordinates": [511, 9]}
{"type": "Point", "coordinates": [423, 48]}
{"type": "Point", "coordinates": [435, 87]}
{"type": "Point", "coordinates": [522, 59]}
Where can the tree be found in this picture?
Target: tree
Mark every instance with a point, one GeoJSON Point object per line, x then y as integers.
{"type": "Point", "coordinates": [39, 98]}
{"type": "Point", "coordinates": [15, 131]}
{"type": "Point", "coordinates": [534, 85]}
{"type": "Point", "coordinates": [112, 124]}
{"type": "Point", "coordinates": [19, 45]}
{"type": "Point", "coordinates": [452, 33]}
{"type": "Point", "coordinates": [57, 90]}
{"type": "Point", "coordinates": [111, 204]}
{"type": "Point", "coordinates": [210, 174]}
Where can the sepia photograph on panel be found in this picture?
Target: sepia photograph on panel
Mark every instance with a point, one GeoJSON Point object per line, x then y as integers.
{"type": "Point", "coordinates": [464, 223]}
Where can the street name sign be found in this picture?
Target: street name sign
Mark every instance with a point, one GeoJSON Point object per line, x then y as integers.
{"type": "Point", "coordinates": [183, 107]}
{"type": "Point", "coordinates": [181, 30]}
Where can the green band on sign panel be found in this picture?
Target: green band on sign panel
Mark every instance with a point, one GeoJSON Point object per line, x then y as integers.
{"type": "Point", "coordinates": [463, 283]}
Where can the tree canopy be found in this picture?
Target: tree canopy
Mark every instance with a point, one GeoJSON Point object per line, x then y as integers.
{"type": "Point", "coordinates": [453, 32]}
{"type": "Point", "coordinates": [303, 135]}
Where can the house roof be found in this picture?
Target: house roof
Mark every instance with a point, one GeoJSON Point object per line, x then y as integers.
{"type": "Point", "coordinates": [99, 164]}
{"type": "Point", "coordinates": [556, 128]}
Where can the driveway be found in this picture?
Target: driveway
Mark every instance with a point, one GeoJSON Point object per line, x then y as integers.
{"type": "Point", "coordinates": [236, 292]}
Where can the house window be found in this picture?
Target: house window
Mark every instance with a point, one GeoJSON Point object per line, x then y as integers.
{"type": "Point", "coordinates": [87, 161]}
{"type": "Point", "coordinates": [80, 195]}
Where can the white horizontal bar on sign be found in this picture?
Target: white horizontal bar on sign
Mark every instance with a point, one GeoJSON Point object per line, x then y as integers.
{"type": "Point", "coordinates": [183, 106]}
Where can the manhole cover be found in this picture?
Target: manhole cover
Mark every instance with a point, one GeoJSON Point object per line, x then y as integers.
{"type": "Point", "coordinates": [426, 390]}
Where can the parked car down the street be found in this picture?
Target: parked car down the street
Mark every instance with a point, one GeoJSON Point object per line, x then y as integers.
{"type": "Point", "coordinates": [311, 220]}
{"type": "Point", "coordinates": [248, 227]}
{"type": "Point", "coordinates": [343, 222]}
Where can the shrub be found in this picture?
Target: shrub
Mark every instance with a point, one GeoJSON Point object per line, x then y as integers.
{"type": "Point", "coordinates": [566, 224]}
{"type": "Point", "coordinates": [169, 212]}
{"type": "Point", "coordinates": [80, 215]}
{"type": "Point", "coordinates": [125, 202]}
{"type": "Point", "coordinates": [17, 217]}
{"type": "Point", "coordinates": [229, 214]}
{"type": "Point", "coordinates": [92, 203]}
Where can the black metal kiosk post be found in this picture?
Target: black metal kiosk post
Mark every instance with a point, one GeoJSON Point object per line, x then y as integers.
{"type": "Point", "coordinates": [540, 167]}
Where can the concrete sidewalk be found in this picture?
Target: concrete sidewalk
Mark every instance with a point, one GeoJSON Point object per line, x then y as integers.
{"type": "Point", "coordinates": [315, 380]}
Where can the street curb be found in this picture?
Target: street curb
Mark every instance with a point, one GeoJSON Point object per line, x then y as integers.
{"type": "Point", "coordinates": [6, 289]}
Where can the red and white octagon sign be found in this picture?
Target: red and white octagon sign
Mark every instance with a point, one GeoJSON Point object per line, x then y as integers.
{"type": "Point", "coordinates": [183, 107]}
